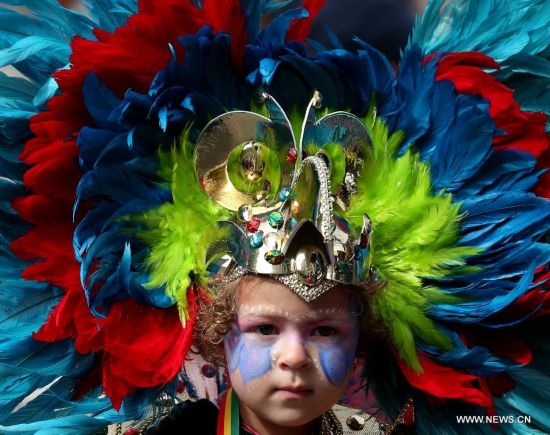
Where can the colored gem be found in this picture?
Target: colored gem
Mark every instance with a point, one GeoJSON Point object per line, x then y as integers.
{"type": "Point", "coordinates": [284, 194]}
{"type": "Point", "coordinates": [274, 257]}
{"type": "Point", "coordinates": [209, 371]}
{"type": "Point", "coordinates": [364, 240]}
{"type": "Point", "coordinates": [253, 224]}
{"type": "Point", "coordinates": [291, 155]}
{"type": "Point", "coordinates": [373, 274]}
{"type": "Point", "coordinates": [275, 219]}
{"type": "Point", "coordinates": [293, 223]}
{"type": "Point", "coordinates": [343, 267]}
{"type": "Point", "coordinates": [245, 212]}
{"type": "Point", "coordinates": [257, 240]}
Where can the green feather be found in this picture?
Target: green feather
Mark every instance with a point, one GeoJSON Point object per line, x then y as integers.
{"type": "Point", "coordinates": [178, 233]}
{"type": "Point", "coordinates": [415, 234]}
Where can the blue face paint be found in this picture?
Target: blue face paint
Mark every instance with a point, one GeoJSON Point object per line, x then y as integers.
{"type": "Point", "coordinates": [336, 361]}
{"type": "Point", "coordinates": [251, 358]}
{"type": "Point", "coordinates": [252, 353]}
{"type": "Point", "coordinates": [336, 357]}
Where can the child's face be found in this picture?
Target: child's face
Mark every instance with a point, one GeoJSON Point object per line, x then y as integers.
{"type": "Point", "coordinates": [289, 360]}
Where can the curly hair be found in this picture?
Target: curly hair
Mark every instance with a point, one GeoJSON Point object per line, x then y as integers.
{"type": "Point", "coordinates": [214, 320]}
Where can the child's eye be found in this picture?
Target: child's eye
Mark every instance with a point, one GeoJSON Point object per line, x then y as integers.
{"type": "Point", "coordinates": [325, 331]}
{"type": "Point", "coordinates": [266, 329]}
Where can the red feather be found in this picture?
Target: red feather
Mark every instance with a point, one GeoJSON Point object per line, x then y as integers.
{"type": "Point", "coordinates": [299, 29]}
{"type": "Point", "coordinates": [524, 130]}
{"type": "Point", "coordinates": [445, 382]}
{"type": "Point", "coordinates": [227, 16]}
{"type": "Point", "coordinates": [543, 186]}
{"type": "Point", "coordinates": [133, 356]}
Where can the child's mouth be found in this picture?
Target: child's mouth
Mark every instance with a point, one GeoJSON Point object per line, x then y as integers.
{"type": "Point", "coordinates": [294, 392]}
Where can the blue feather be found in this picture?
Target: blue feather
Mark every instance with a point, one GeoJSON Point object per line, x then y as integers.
{"type": "Point", "coordinates": [531, 392]}
{"type": "Point", "coordinates": [255, 10]}
{"type": "Point", "coordinates": [517, 212]}
{"type": "Point", "coordinates": [477, 360]}
{"type": "Point", "coordinates": [513, 33]}
{"type": "Point", "coordinates": [99, 100]}
{"type": "Point", "coordinates": [473, 312]}
{"type": "Point", "coordinates": [497, 29]}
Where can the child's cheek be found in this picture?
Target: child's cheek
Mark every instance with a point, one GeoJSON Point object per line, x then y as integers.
{"type": "Point", "coordinates": [253, 359]}
{"type": "Point", "coordinates": [336, 358]}
{"type": "Point", "coordinates": [335, 363]}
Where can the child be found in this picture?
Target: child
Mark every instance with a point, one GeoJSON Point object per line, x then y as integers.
{"type": "Point", "coordinates": [289, 361]}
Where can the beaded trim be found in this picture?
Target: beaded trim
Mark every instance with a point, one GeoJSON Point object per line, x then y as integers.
{"type": "Point", "coordinates": [325, 202]}
{"type": "Point", "coordinates": [330, 424]}
{"type": "Point", "coordinates": [306, 292]}
{"type": "Point", "coordinates": [236, 273]}
{"type": "Point", "coordinates": [292, 281]}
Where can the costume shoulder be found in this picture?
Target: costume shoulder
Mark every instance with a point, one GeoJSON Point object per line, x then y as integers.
{"type": "Point", "coordinates": [187, 417]}
{"type": "Point", "coordinates": [356, 421]}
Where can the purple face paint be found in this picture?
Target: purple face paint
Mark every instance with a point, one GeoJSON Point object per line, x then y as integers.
{"type": "Point", "coordinates": [253, 359]}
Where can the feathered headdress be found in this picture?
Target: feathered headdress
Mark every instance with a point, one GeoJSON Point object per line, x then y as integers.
{"type": "Point", "coordinates": [107, 218]}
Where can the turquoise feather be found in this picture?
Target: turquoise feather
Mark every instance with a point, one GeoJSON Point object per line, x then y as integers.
{"type": "Point", "coordinates": [514, 33]}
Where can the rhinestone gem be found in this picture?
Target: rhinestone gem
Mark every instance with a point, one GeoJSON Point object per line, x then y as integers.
{"type": "Point", "coordinates": [257, 240]}
{"type": "Point", "coordinates": [293, 223]}
{"type": "Point", "coordinates": [245, 212]}
{"type": "Point", "coordinates": [275, 219]}
{"type": "Point", "coordinates": [209, 371]}
{"type": "Point", "coordinates": [343, 267]}
{"type": "Point", "coordinates": [284, 194]}
{"type": "Point", "coordinates": [253, 224]}
{"type": "Point", "coordinates": [291, 155]}
{"type": "Point", "coordinates": [355, 422]}
{"type": "Point", "coordinates": [274, 257]}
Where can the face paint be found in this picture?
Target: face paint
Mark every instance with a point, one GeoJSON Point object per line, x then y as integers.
{"type": "Point", "coordinates": [254, 353]}
{"type": "Point", "coordinates": [279, 342]}
{"type": "Point", "coordinates": [251, 358]}
{"type": "Point", "coordinates": [336, 359]}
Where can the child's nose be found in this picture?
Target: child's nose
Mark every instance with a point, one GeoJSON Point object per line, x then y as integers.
{"type": "Point", "coordinates": [293, 354]}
